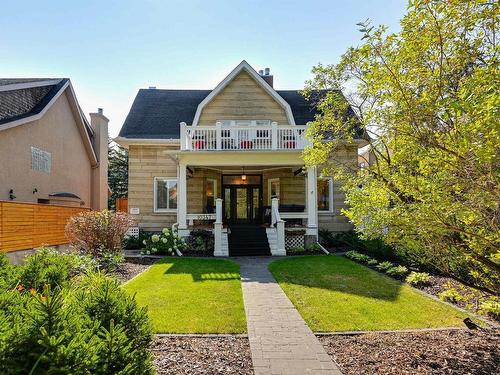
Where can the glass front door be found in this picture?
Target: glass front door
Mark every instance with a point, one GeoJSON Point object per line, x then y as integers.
{"type": "Point", "coordinates": [242, 204]}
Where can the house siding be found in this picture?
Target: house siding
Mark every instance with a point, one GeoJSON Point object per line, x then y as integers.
{"type": "Point", "coordinates": [335, 221]}
{"type": "Point", "coordinates": [243, 98]}
{"type": "Point", "coordinates": [146, 163]}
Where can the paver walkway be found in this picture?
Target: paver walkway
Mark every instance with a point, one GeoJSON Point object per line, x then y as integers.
{"type": "Point", "coordinates": [280, 340]}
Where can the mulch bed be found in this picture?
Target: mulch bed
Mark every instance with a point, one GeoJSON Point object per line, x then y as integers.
{"type": "Point", "coordinates": [129, 269]}
{"type": "Point", "coordinates": [202, 355]}
{"type": "Point", "coordinates": [431, 352]}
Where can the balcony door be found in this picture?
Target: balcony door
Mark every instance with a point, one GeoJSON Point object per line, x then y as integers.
{"type": "Point", "coordinates": [242, 199]}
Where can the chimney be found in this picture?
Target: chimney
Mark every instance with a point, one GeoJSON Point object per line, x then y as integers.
{"type": "Point", "coordinates": [99, 123]}
{"type": "Point", "coordinates": [267, 76]}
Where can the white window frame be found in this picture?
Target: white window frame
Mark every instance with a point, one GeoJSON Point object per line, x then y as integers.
{"type": "Point", "coordinates": [330, 196]}
{"type": "Point", "coordinates": [155, 190]}
{"type": "Point", "coordinates": [269, 182]}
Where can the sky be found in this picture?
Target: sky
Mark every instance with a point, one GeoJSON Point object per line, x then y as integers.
{"type": "Point", "coordinates": [111, 49]}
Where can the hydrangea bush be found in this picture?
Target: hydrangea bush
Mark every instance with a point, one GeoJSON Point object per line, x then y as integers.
{"type": "Point", "coordinates": [167, 242]}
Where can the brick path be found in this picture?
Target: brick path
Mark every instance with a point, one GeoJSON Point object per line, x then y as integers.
{"type": "Point", "coordinates": [280, 340]}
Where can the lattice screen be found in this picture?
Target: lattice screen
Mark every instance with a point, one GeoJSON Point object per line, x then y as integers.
{"type": "Point", "coordinates": [292, 241]}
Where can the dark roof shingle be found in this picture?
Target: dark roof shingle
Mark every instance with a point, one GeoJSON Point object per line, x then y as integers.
{"type": "Point", "coordinates": [20, 103]}
{"type": "Point", "coordinates": [157, 113]}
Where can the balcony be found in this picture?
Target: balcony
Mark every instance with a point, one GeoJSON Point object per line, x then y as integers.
{"type": "Point", "coordinates": [249, 137]}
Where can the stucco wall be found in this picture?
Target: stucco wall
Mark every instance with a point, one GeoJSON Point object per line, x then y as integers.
{"type": "Point", "coordinates": [56, 132]}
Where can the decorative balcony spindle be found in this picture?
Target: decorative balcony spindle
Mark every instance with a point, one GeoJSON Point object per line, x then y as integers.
{"type": "Point", "coordinates": [243, 137]}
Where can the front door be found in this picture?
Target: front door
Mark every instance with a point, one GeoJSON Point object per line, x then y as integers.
{"type": "Point", "coordinates": [242, 204]}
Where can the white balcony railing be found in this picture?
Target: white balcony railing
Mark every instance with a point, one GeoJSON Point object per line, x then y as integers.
{"type": "Point", "coordinates": [248, 137]}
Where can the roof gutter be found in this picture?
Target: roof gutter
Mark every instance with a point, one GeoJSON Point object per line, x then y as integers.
{"type": "Point", "coordinates": [126, 142]}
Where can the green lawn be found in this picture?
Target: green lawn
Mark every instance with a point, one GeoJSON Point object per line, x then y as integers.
{"type": "Point", "coordinates": [333, 293]}
{"type": "Point", "coordinates": [189, 295]}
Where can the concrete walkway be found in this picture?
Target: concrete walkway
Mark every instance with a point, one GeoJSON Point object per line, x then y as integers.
{"type": "Point", "coordinates": [280, 340]}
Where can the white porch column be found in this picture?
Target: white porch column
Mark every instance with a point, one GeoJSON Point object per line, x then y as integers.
{"type": "Point", "coordinates": [219, 248]}
{"type": "Point", "coordinates": [312, 202]}
{"type": "Point", "coordinates": [182, 201]}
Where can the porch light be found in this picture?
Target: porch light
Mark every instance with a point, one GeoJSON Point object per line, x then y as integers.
{"type": "Point", "coordinates": [243, 175]}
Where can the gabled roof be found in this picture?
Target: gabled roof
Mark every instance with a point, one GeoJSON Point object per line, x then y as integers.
{"type": "Point", "coordinates": [156, 114]}
{"type": "Point", "coordinates": [23, 100]}
{"type": "Point", "coordinates": [244, 66]}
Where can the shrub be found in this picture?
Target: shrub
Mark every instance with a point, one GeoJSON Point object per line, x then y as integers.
{"type": "Point", "coordinates": [166, 242]}
{"type": "Point", "coordinates": [91, 327]}
{"type": "Point", "coordinates": [418, 278]}
{"type": "Point", "coordinates": [358, 257]}
{"type": "Point", "coordinates": [52, 268]}
{"type": "Point", "coordinates": [384, 266]}
{"type": "Point", "coordinates": [450, 295]}
{"type": "Point", "coordinates": [490, 307]}
{"type": "Point", "coordinates": [8, 274]}
{"type": "Point", "coordinates": [372, 262]}
{"type": "Point", "coordinates": [313, 248]}
{"type": "Point", "coordinates": [201, 242]}
{"type": "Point", "coordinates": [397, 271]}
{"type": "Point", "coordinates": [136, 242]}
{"type": "Point", "coordinates": [98, 232]}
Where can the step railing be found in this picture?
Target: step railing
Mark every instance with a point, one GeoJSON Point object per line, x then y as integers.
{"type": "Point", "coordinates": [247, 137]}
{"type": "Point", "coordinates": [279, 225]}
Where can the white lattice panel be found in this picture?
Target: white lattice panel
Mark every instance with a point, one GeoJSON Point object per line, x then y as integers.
{"type": "Point", "coordinates": [132, 232]}
{"type": "Point", "coordinates": [294, 241]}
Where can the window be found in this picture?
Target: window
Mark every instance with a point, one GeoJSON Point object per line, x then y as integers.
{"type": "Point", "coordinates": [165, 194]}
{"type": "Point", "coordinates": [325, 194]}
{"type": "Point", "coordinates": [273, 188]}
{"type": "Point", "coordinates": [211, 194]}
{"type": "Point", "coordinates": [40, 160]}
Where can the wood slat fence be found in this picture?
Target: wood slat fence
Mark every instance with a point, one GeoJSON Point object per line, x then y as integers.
{"type": "Point", "coordinates": [121, 204]}
{"type": "Point", "coordinates": [30, 225]}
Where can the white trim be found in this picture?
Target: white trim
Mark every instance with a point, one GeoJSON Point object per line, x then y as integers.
{"type": "Point", "coordinates": [39, 115]}
{"type": "Point", "coordinates": [269, 182]}
{"type": "Point", "coordinates": [82, 120]}
{"type": "Point", "coordinates": [126, 142]}
{"type": "Point", "coordinates": [330, 197]}
{"type": "Point", "coordinates": [29, 85]}
{"type": "Point", "coordinates": [157, 210]}
{"type": "Point", "coordinates": [244, 66]}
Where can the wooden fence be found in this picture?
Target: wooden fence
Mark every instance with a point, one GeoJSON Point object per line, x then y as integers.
{"type": "Point", "coordinates": [30, 225]}
{"type": "Point", "coordinates": [121, 204]}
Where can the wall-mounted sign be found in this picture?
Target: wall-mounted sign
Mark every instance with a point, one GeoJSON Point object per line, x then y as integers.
{"type": "Point", "coordinates": [135, 211]}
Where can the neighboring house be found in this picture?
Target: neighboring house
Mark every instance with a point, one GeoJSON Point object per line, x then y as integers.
{"type": "Point", "coordinates": [366, 157]}
{"type": "Point", "coordinates": [49, 152]}
{"type": "Point", "coordinates": [221, 159]}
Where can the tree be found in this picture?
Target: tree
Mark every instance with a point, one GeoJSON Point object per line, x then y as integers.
{"type": "Point", "coordinates": [428, 97]}
{"type": "Point", "coordinates": [117, 173]}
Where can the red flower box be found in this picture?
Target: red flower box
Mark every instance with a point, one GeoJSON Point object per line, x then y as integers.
{"type": "Point", "coordinates": [199, 144]}
{"type": "Point", "coordinates": [289, 144]}
{"type": "Point", "coordinates": [246, 145]}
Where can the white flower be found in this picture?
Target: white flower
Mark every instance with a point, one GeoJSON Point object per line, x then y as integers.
{"type": "Point", "coordinates": [170, 249]}
{"type": "Point", "coordinates": [144, 242]}
{"type": "Point", "coordinates": [155, 238]}
{"type": "Point", "coordinates": [175, 247]}
{"type": "Point", "coordinates": [154, 249]}
{"type": "Point", "coordinates": [165, 230]}
{"type": "Point", "coordinates": [148, 252]}
{"type": "Point", "coordinates": [164, 240]}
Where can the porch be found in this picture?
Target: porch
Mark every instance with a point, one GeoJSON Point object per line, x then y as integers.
{"type": "Point", "coordinates": [274, 198]}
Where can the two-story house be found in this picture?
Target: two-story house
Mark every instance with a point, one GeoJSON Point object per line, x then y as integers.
{"type": "Point", "coordinates": [230, 159]}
